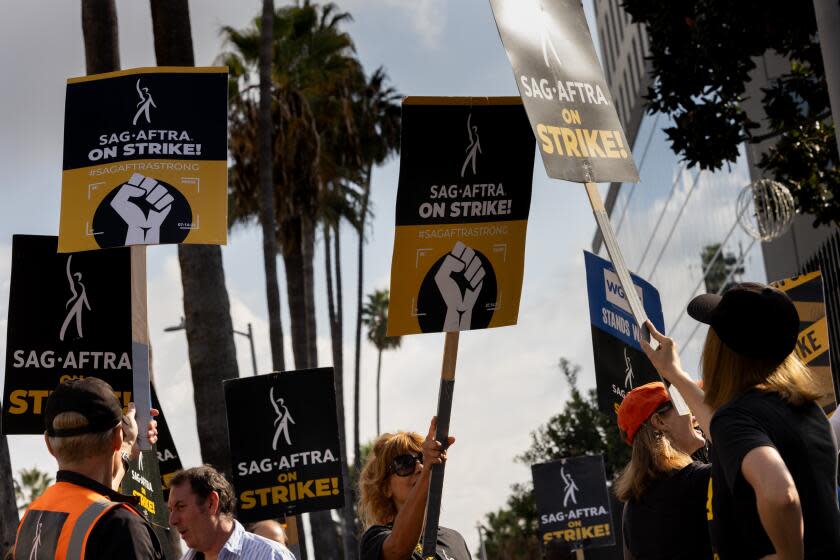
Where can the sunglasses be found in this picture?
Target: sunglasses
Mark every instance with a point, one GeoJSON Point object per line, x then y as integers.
{"type": "Point", "coordinates": [664, 408]}
{"type": "Point", "coordinates": [404, 465]}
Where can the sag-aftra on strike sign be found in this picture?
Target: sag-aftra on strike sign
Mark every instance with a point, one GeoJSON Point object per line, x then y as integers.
{"type": "Point", "coordinates": [464, 195]}
{"type": "Point", "coordinates": [283, 430]}
{"type": "Point", "coordinates": [561, 83]}
{"type": "Point", "coordinates": [145, 159]}
{"type": "Point", "coordinates": [69, 317]}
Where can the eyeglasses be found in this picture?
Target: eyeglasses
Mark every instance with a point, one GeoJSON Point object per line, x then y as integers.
{"type": "Point", "coordinates": [404, 465]}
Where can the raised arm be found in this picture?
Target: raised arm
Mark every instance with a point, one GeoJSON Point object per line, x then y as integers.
{"type": "Point", "coordinates": [666, 361]}
{"type": "Point", "coordinates": [408, 525]}
{"type": "Point", "coordinates": [129, 444]}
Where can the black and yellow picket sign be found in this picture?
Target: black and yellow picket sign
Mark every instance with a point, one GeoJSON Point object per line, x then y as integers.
{"type": "Point", "coordinates": [143, 481]}
{"type": "Point", "coordinates": [812, 346]}
{"type": "Point", "coordinates": [561, 83]}
{"type": "Point", "coordinates": [573, 503]}
{"type": "Point", "coordinates": [571, 111]}
{"type": "Point", "coordinates": [145, 158]}
{"type": "Point", "coordinates": [283, 432]}
{"type": "Point", "coordinates": [466, 168]}
{"type": "Point", "coordinates": [69, 317]}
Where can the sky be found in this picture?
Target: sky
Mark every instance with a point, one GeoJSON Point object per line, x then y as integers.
{"type": "Point", "coordinates": [507, 381]}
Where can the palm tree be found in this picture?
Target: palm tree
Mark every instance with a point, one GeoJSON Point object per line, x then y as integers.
{"type": "Point", "coordinates": [209, 328]}
{"type": "Point", "coordinates": [313, 63]}
{"type": "Point", "coordinates": [378, 114]}
{"type": "Point", "coordinates": [266, 171]}
{"type": "Point", "coordinates": [341, 202]}
{"type": "Point", "coordinates": [375, 318]}
{"type": "Point", "coordinates": [30, 484]}
{"type": "Point", "coordinates": [314, 67]}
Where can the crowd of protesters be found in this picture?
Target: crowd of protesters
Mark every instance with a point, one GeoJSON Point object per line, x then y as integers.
{"type": "Point", "coordinates": [751, 473]}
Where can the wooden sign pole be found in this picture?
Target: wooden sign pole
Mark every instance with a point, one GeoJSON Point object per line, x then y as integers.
{"type": "Point", "coordinates": [142, 396]}
{"type": "Point", "coordinates": [444, 410]}
{"type": "Point", "coordinates": [292, 540]}
{"type": "Point", "coordinates": [579, 554]}
{"type": "Point", "coordinates": [623, 274]}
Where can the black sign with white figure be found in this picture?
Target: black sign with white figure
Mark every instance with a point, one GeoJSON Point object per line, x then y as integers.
{"type": "Point", "coordinates": [69, 317]}
{"type": "Point", "coordinates": [561, 83]}
{"type": "Point", "coordinates": [573, 503]}
{"type": "Point", "coordinates": [283, 431]}
{"type": "Point", "coordinates": [163, 114]}
{"type": "Point", "coordinates": [142, 480]}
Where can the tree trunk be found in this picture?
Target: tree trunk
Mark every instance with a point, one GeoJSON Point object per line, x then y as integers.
{"type": "Point", "coordinates": [335, 318]}
{"type": "Point", "coordinates": [295, 290]}
{"type": "Point", "coordinates": [212, 352]}
{"type": "Point", "coordinates": [209, 328]}
{"type": "Point", "coordinates": [308, 251]}
{"type": "Point", "coordinates": [8, 508]}
{"type": "Point", "coordinates": [351, 537]}
{"type": "Point", "coordinates": [357, 455]}
{"type": "Point", "coordinates": [339, 308]}
{"type": "Point", "coordinates": [324, 530]}
{"type": "Point", "coordinates": [275, 325]}
{"type": "Point", "coordinates": [378, 388]}
{"type": "Point", "coordinates": [99, 28]}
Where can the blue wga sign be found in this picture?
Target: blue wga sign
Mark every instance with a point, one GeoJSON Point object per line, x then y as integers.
{"type": "Point", "coordinates": [608, 306]}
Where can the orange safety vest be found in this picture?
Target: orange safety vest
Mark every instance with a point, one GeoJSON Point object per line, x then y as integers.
{"type": "Point", "coordinates": [59, 522]}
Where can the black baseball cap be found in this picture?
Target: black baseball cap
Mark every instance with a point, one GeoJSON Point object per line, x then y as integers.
{"type": "Point", "coordinates": [755, 320]}
{"type": "Point", "coordinates": [92, 398]}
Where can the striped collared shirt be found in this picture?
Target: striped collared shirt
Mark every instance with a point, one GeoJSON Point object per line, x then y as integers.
{"type": "Point", "coordinates": [247, 546]}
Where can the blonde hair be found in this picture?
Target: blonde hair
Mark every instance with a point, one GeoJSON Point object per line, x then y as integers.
{"type": "Point", "coordinates": [375, 506]}
{"type": "Point", "coordinates": [727, 374]}
{"type": "Point", "coordinates": [73, 449]}
{"type": "Point", "coordinates": [652, 456]}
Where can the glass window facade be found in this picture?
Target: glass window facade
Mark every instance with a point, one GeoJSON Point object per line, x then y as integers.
{"type": "Point", "coordinates": [671, 225]}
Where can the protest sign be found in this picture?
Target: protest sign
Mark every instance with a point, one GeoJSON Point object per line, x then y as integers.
{"type": "Point", "coordinates": [69, 317]}
{"type": "Point", "coordinates": [620, 363]}
{"type": "Point", "coordinates": [145, 158]}
{"type": "Point", "coordinates": [142, 480]}
{"type": "Point", "coordinates": [572, 114]}
{"type": "Point", "coordinates": [573, 504]}
{"type": "Point", "coordinates": [466, 168]}
{"type": "Point", "coordinates": [561, 83]}
{"type": "Point", "coordinates": [283, 431]}
{"type": "Point", "coordinates": [806, 291]}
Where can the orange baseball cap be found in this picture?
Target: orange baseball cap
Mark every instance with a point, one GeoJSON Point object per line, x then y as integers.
{"type": "Point", "coordinates": [639, 405]}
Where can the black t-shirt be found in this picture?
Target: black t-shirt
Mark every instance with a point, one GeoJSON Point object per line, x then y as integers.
{"type": "Point", "coordinates": [669, 521]}
{"type": "Point", "coordinates": [802, 436]}
{"type": "Point", "coordinates": [450, 544]}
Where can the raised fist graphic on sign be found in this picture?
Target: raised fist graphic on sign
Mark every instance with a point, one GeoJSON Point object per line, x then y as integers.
{"type": "Point", "coordinates": [143, 203]}
{"type": "Point", "coordinates": [460, 297]}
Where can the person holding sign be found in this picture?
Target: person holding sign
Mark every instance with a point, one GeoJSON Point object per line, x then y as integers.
{"type": "Point", "coordinates": [664, 490]}
{"type": "Point", "coordinates": [82, 515]}
{"type": "Point", "coordinates": [774, 464]}
{"type": "Point", "coordinates": [394, 485]}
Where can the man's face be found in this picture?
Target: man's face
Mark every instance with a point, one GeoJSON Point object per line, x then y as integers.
{"type": "Point", "coordinates": [193, 521]}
